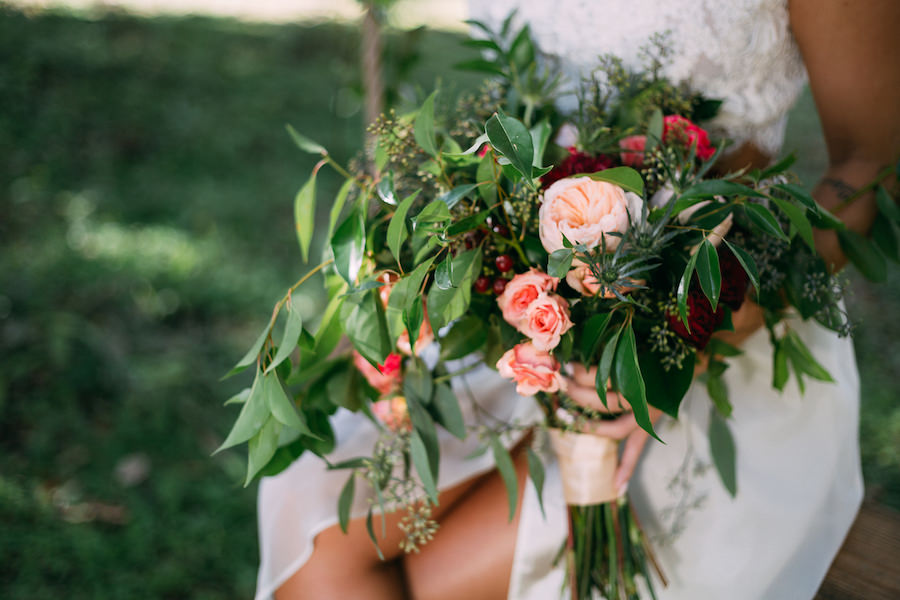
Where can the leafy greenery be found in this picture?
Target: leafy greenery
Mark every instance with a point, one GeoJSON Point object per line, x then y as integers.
{"type": "Point", "coordinates": [146, 197]}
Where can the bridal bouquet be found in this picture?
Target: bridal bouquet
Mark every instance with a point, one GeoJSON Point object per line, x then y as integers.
{"type": "Point", "coordinates": [506, 231]}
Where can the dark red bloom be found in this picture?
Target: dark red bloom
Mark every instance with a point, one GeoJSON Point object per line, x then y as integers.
{"type": "Point", "coordinates": [576, 162]}
{"type": "Point", "coordinates": [678, 128]}
{"type": "Point", "coordinates": [701, 317]}
{"type": "Point", "coordinates": [734, 279]}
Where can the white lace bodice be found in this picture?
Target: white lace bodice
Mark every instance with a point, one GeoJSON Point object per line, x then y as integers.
{"type": "Point", "coordinates": [740, 51]}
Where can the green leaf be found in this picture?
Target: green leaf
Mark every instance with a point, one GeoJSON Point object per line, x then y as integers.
{"type": "Point", "coordinates": [239, 398]}
{"type": "Point", "coordinates": [423, 128]}
{"type": "Point", "coordinates": [252, 417]}
{"type": "Point", "coordinates": [384, 187]}
{"type": "Point", "coordinates": [412, 320]}
{"type": "Point", "coordinates": [403, 294]}
{"type": "Point", "coordinates": [717, 347]}
{"type": "Point", "coordinates": [397, 232]}
{"type": "Point", "coordinates": [366, 326]}
{"type": "Point", "coordinates": [281, 406]}
{"type": "Point", "coordinates": [763, 218]}
{"type": "Point", "coordinates": [802, 359]}
{"type": "Point", "coordinates": [884, 235]}
{"type": "Point", "coordinates": [305, 215]}
{"type": "Point", "coordinates": [329, 332]}
{"type": "Point", "coordinates": [511, 139]}
{"type": "Point", "coordinates": [507, 472]}
{"type": "Point", "coordinates": [780, 371]}
{"type": "Point", "coordinates": [292, 329]}
{"type": "Point", "coordinates": [420, 461]}
{"type": "Point", "coordinates": [435, 212]}
{"type": "Point", "coordinates": [418, 385]}
{"type": "Point", "coordinates": [779, 167]}
{"type": "Point", "coordinates": [886, 204]}
{"type": "Point", "coordinates": [718, 393]}
{"type": "Point", "coordinates": [453, 197]}
{"type": "Point", "coordinates": [370, 528]}
{"type": "Point", "coordinates": [252, 354]}
{"type": "Point", "coordinates": [591, 334]}
{"type": "Point", "coordinates": [338, 206]}
{"type": "Point", "coordinates": [468, 223]}
{"type": "Point", "coordinates": [719, 187]}
{"type": "Point", "coordinates": [467, 335]}
{"type": "Point", "coordinates": [630, 381]}
{"type": "Point", "coordinates": [304, 143]}
{"type": "Point", "coordinates": [747, 263]}
{"type": "Point", "coordinates": [443, 273]}
{"type": "Point", "coordinates": [654, 130]}
{"type": "Point", "coordinates": [721, 445]}
{"type": "Point", "coordinates": [536, 473]}
{"type": "Point", "coordinates": [540, 135]}
{"type": "Point", "coordinates": [444, 306]}
{"type": "Point", "coordinates": [261, 448]}
{"type": "Point", "coordinates": [423, 425]}
{"type": "Point", "coordinates": [559, 262]}
{"type": "Point", "coordinates": [345, 501]}
{"type": "Point", "coordinates": [449, 414]}
{"type": "Point", "coordinates": [604, 367]}
{"type": "Point", "coordinates": [708, 272]}
{"type": "Point", "coordinates": [863, 254]}
{"type": "Point", "coordinates": [483, 44]}
{"type": "Point", "coordinates": [625, 177]}
{"type": "Point", "coordinates": [666, 388]}
{"type": "Point", "coordinates": [684, 287]}
{"type": "Point", "coordinates": [349, 246]}
{"type": "Point", "coordinates": [797, 217]}
{"type": "Point", "coordinates": [480, 66]}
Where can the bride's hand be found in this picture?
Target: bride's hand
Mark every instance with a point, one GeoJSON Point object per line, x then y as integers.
{"type": "Point", "coordinates": [580, 387]}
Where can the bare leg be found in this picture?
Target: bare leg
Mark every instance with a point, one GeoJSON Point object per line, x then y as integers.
{"type": "Point", "coordinates": [346, 566]}
{"type": "Point", "coordinates": [471, 555]}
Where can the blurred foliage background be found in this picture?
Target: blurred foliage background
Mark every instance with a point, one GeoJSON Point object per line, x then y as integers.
{"type": "Point", "coordinates": [146, 188]}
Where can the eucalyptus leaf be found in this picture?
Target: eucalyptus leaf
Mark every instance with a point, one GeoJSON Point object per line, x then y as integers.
{"type": "Point", "coordinates": [721, 445]}
{"type": "Point", "coordinates": [305, 215]}
{"type": "Point", "coordinates": [447, 407]}
{"type": "Point", "coordinates": [763, 218]}
{"type": "Point", "coordinates": [345, 501]}
{"type": "Point", "coordinates": [304, 143]}
{"type": "Point", "coordinates": [708, 272]}
{"type": "Point", "coordinates": [630, 381]}
{"type": "Point", "coordinates": [537, 476]}
{"type": "Point", "coordinates": [625, 177]}
{"type": "Point", "coordinates": [511, 139]}
{"type": "Point", "coordinates": [863, 254]}
{"type": "Point", "coordinates": [466, 336]}
{"type": "Point", "coordinates": [253, 415]}
{"type": "Point", "coordinates": [592, 334]}
{"type": "Point", "coordinates": [293, 327]}
{"type": "Point", "coordinates": [684, 287]}
{"type": "Point", "coordinates": [423, 127]}
{"type": "Point", "coordinates": [338, 206]}
{"type": "Point", "coordinates": [420, 461]}
{"type": "Point", "coordinates": [507, 473]}
{"type": "Point", "coordinates": [261, 448]}
{"type": "Point", "coordinates": [349, 246]}
{"type": "Point", "coordinates": [281, 407]}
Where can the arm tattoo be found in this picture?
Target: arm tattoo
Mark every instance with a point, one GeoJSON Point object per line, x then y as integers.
{"type": "Point", "coordinates": [844, 190]}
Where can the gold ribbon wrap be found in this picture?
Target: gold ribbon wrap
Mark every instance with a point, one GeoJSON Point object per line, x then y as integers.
{"type": "Point", "coordinates": [587, 464]}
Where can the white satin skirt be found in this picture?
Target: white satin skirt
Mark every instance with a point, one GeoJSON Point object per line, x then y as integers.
{"type": "Point", "coordinates": [798, 476]}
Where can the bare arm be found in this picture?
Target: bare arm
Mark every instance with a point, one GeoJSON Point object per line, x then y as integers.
{"type": "Point", "coordinates": [852, 55]}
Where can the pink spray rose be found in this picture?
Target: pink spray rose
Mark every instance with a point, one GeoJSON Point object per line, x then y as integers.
{"type": "Point", "coordinates": [583, 210]}
{"type": "Point", "coordinates": [383, 379]}
{"type": "Point", "coordinates": [533, 370]}
{"type": "Point", "coordinates": [521, 291]}
{"type": "Point", "coordinates": [393, 413]}
{"type": "Point", "coordinates": [634, 150]}
{"type": "Point", "coordinates": [547, 319]}
{"type": "Point", "coordinates": [582, 280]}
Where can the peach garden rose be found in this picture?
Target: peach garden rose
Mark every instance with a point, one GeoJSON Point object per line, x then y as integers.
{"type": "Point", "coordinates": [533, 370]}
{"type": "Point", "coordinates": [584, 210]}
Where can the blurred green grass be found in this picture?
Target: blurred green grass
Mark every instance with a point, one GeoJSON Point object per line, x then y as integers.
{"type": "Point", "coordinates": [146, 188]}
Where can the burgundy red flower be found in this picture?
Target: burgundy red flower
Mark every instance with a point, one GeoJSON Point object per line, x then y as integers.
{"type": "Point", "coordinates": [576, 162]}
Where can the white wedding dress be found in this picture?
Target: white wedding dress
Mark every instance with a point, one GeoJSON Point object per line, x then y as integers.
{"type": "Point", "coordinates": [798, 472]}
